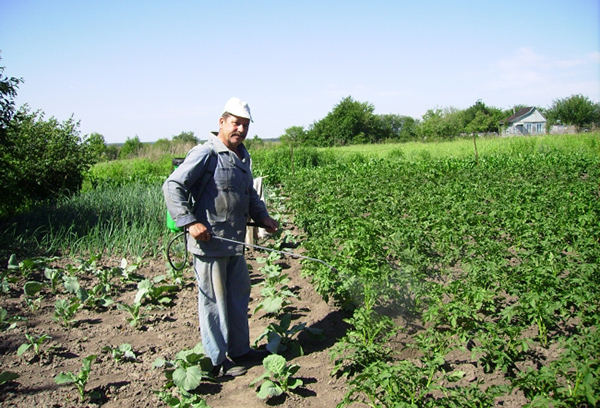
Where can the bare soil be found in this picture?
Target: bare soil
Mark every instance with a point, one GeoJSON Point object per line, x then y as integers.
{"type": "Point", "coordinates": [165, 332]}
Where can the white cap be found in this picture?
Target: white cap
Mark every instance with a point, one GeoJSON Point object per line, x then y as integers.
{"type": "Point", "coordinates": [238, 108]}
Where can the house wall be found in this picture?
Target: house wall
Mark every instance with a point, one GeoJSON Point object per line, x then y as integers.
{"type": "Point", "coordinates": [532, 124]}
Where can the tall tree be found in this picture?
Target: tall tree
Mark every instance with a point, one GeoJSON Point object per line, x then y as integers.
{"type": "Point", "coordinates": [185, 137]}
{"type": "Point", "coordinates": [350, 122]}
{"type": "Point", "coordinates": [47, 157]}
{"type": "Point", "coordinates": [480, 118]}
{"type": "Point", "coordinates": [8, 167]}
{"type": "Point", "coordinates": [577, 110]}
{"type": "Point", "coordinates": [398, 127]}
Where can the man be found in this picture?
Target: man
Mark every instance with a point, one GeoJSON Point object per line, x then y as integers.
{"type": "Point", "coordinates": [218, 178]}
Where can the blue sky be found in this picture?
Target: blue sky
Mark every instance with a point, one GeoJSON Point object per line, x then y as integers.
{"type": "Point", "coordinates": [157, 68]}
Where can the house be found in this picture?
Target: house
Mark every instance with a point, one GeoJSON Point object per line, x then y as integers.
{"type": "Point", "coordinates": [527, 121]}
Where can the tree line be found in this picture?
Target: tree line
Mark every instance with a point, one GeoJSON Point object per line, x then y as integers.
{"type": "Point", "coordinates": [354, 122]}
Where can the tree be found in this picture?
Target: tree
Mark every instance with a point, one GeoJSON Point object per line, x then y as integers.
{"type": "Point", "coordinates": [397, 127]}
{"type": "Point", "coordinates": [8, 181]}
{"type": "Point", "coordinates": [441, 124]}
{"type": "Point", "coordinates": [8, 92]}
{"type": "Point", "coordinates": [185, 137]}
{"type": "Point", "coordinates": [293, 135]}
{"type": "Point", "coordinates": [47, 159]}
{"type": "Point", "coordinates": [350, 122]}
{"type": "Point", "coordinates": [131, 147]}
{"type": "Point", "coordinates": [577, 110]}
{"type": "Point", "coordinates": [479, 118]}
{"type": "Point", "coordinates": [96, 147]}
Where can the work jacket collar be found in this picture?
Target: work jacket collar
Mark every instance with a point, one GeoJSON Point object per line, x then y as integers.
{"type": "Point", "coordinates": [220, 147]}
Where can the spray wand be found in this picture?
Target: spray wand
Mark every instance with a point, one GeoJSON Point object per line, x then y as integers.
{"type": "Point", "coordinates": [291, 254]}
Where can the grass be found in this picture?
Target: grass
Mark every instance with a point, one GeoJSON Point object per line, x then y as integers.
{"type": "Point", "coordinates": [123, 220]}
{"type": "Point", "coordinates": [465, 147]}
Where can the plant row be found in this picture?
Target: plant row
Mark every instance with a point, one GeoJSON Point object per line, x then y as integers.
{"type": "Point", "coordinates": [496, 258]}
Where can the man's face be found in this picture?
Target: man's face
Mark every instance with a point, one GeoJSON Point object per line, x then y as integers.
{"type": "Point", "coordinates": [233, 130]}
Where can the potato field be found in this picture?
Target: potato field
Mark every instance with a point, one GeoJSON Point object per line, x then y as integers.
{"type": "Point", "coordinates": [449, 281]}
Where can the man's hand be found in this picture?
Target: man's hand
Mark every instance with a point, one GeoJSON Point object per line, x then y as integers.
{"type": "Point", "coordinates": [270, 224]}
{"type": "Point", "coordinates": [198, 231]}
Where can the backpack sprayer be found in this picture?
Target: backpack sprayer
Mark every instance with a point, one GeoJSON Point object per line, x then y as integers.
{"type": "Point", "coordinates": [181, 232]}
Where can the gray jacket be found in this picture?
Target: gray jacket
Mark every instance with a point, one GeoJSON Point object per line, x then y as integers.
{"type": "Point", "coordinates": [225, 204]}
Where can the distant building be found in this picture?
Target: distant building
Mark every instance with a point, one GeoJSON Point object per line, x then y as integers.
{"type": "Point", "coordinates": [527, 121]}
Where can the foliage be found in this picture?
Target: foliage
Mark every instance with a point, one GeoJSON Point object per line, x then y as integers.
{"type": "Point", "coordinates": [80, 379]}
{"type": "Point", "coordinates": [277, 378]}
{"type": "Point", "coordinates": [8, 168]}
{"type": "Point", "coordinates": [155, 294]}
{"type": "Point", "coordinates": [123, 352]}
{"type": "Point", "coordinates": [65, 310]}
{"type": "Point", "coordinates": [187, 370]}
{"type": "Point", "coordinates": [398, 127]}
{"type": "Point", "coordinates": [575, 110]}
{"type": "Point", "coordinates": [350, 122]}
{"type": "Point", "coordinates": [441, 124]}
{"type": "Point", "coordinates": [34, 342]}
{"type": "Point", "coordinates": [130, 148]}
{"type": "Point", "coordinates": [8, 93]}
{"type": "Point", "coordinates": [482, 253]}
{"type": "Point", "coordinates": [125, 221]}
{"type": "Point", "coordinates": [280, 337]}
{"type": "Point", "coordinates": [136, 315]}
{"type": "Point", "coordinates": [276, 293]}
{"type": "Point", "coordinates": [183, 400]}
{"type": "Point", "coordinates": [363, 344]}
{"type": "Point", "coordinates": [45, 159]}
{"type": "Point", "coordinates": [185, 137]}
{"type": "Point", "coordinates": [479, 118]}
{"type": "Point", "coordinates": [96, 147]}
{"type": "Point", "coordinates": [8, 376]}
{"type": "Point", "coordinates": [8, 322]}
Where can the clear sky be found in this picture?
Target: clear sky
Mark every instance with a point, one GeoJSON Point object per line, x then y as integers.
{"type": "Point", "coordinates": [157, 68]}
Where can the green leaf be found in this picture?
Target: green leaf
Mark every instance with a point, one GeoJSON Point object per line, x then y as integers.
{"type": "Point", "coordinates": [269, 389]}
{"type": "Point", "coordinates": [23, 348]}
{"type": "Point", "coordinates": [8, 376]}
{"type": "Point", "coordinates": [188, 379]}
{"type": "Point", "coordinates": [272, 304]}
{"type": "Point", "coordinates": [31, 288]}
{"type": "Point", "coordinates": [294, 383]}
{"type": "Point", "coordinates": [65, 378]}
{"type": "Point", "coordinates": [71, 284]}
{"type": "Point", "coordinates": [274, 341]}
{"type": "Point", "coordinates": [13, 264]}
{"type": "Point", "coordinates": [159, 362]}
{"type": "Point", "coordinates": [275, 364]}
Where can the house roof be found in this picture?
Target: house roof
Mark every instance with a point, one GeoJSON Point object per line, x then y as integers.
{"type": "Point", "coordinates": [522, 112]}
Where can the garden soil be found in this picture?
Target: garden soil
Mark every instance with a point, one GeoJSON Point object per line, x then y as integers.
{"type": "Point", "coordinates": [164, 333]}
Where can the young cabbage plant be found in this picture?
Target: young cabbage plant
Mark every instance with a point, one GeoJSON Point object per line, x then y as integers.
{"type": "Point", "coordinates": [54, 275]}
{"type": "Point", "coordinates": [80, 379]}
{"type": "Point", "coordinates": [123, 352]}
{"type": "Point", "coordinates": [277, 378]}
{"type": "Point", "coordinates": [8, 322]}
{"type": "Point", "coordinates": [65, 310]}
{"type": "Point", "coordinates": [136, 315]}
{"type": "Point", "coordinates": [155, 294]}
{"type": "Point", "coordinates": [33, 342]}
{"type": "Point", "coordinates": [280, 337]}
{"type": "Point", "coordinates": [187, 370]}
